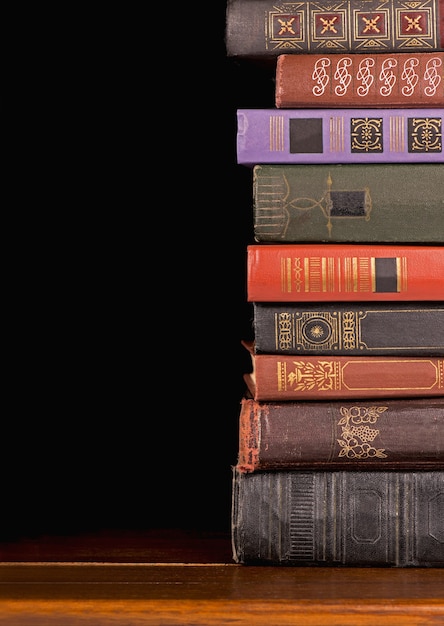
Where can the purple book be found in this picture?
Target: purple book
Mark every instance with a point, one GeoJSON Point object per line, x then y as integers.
{"type": "Point", "coordinates": [305, 136]}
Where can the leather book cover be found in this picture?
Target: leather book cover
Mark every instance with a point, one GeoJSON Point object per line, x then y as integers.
{"type": "Point", "coordinates": [338, 518]}
{"type": "Point", "coordinates": [347, 328]}
{"type": "Point", "coordinates": [277, 377]}
{"type": "Point", "coordinates": [263, 29]}
{"type": "Point", "coordinates": [344, 272]}
{"type": "Point", "coordinates": [398, 80]}
{"type": "Point", "coordinates": [350, 203]}
{"type": "Point", "coordinates": [339, 136]}
{"type": "Point", "coordinates": [400, 434]}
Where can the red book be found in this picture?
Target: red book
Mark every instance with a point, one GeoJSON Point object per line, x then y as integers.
{"type": "Point", "coordinates": [275, 377]}
{"type": "Point", "coordinates": [405, 80]}
{"type": "Point", "coordinates": [344, 272]}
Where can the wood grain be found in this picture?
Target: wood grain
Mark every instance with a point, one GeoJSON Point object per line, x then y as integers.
{"type": "Point", "coordinates": [112, 592]}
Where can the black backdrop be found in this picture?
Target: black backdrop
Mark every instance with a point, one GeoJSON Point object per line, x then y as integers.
{"type": "Point", "coordinates": [128, 373]}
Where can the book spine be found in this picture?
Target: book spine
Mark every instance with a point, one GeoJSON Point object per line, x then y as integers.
{"type": "Point", "coordinates": [341, 518]}
{"type": "Point", "coordinates": [349, 329]}
{"type": "Point", "coordinates": [341, 272]}
{"type": "Point", "coordinates": [392, 434]}
{"type": "Point", "coordinates": [282, 378]}
{"type": "Point", "coordinates": [263, 29]}
{"type": "Point", "coordinates": [404, 80]}
{"type": "Point", "coordinates": [352, 203]}
{"type": "Point", "coordinates": [339, 136]}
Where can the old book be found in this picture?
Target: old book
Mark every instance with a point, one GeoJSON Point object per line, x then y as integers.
{"type": "Point", "coordinates": [262, 29]}
{"type": "Point", "coordinates": [344, 272]}
{"type": "Point", "coordinates": [340, 518]}
{"type": "Point", "coordinates": [404, 80]}
{"type": "Point", "coordinates": [351, 203]}
{"type": "Point", "coordinates": [339, 136]}
{"type": "Point", "coordinates": [348, 328]}
{"type": "Point", "coordinates": [402, 434]}
{"type": "Point", "coordinates": [282, 378]}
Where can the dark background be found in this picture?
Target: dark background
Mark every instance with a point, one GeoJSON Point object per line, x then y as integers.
{"type": "Point", "coordinates": [126, 376]}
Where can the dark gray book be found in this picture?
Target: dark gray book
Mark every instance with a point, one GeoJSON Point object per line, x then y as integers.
{"type": "Point", "coordinates": [263, 29]}
{"type": "Point", "coordinates": [333, 328]}
{"type": "Point", "coordinates": [346, 518]}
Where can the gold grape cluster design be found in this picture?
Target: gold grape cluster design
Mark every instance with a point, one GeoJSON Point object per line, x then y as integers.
{"type": "Point", "coordinates": [357, 432]}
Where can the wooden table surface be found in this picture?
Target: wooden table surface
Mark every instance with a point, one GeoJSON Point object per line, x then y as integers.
{"type": "Point", "coordinates": [172, 578]}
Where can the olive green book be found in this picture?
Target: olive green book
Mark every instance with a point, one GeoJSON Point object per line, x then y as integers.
{"type": "Point", "coordinates": [349, 203]}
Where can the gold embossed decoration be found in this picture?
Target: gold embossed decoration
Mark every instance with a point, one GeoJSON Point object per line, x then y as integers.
{"type": "Point", "coordinates": [358, 434]}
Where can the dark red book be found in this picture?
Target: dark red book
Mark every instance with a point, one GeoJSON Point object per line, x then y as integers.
{"type": "Point", "coordinates": [277, 377]}
{"type": "Point", "coordinates": [344, 272]}
{"type": "Point", "coordinates": [403, 79]}
{"type": "Point", "coordinates": [388, 434]}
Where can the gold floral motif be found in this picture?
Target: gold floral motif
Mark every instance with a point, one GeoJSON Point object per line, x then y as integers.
{"type": "Point", "coordinates": [373, 25]}
{"type": "Point", "coordinates": [426, 134]}
{"type": "Point", "coordinates": [366, 134]}
{"type": "Point", "coordinates": [323, 376]}
{"type": "Point", "coordinates": [356, 432]}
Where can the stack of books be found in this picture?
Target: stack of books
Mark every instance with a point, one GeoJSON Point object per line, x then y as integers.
{"type": "Point", "coordinates": [341, 430]}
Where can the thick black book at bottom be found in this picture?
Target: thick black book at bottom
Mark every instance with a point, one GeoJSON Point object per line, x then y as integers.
{"type": "Point", "coordinates": [344, 518]}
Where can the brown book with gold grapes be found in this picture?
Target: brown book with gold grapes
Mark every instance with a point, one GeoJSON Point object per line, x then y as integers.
{"type": "Point", "coordinates": [383, 434]}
